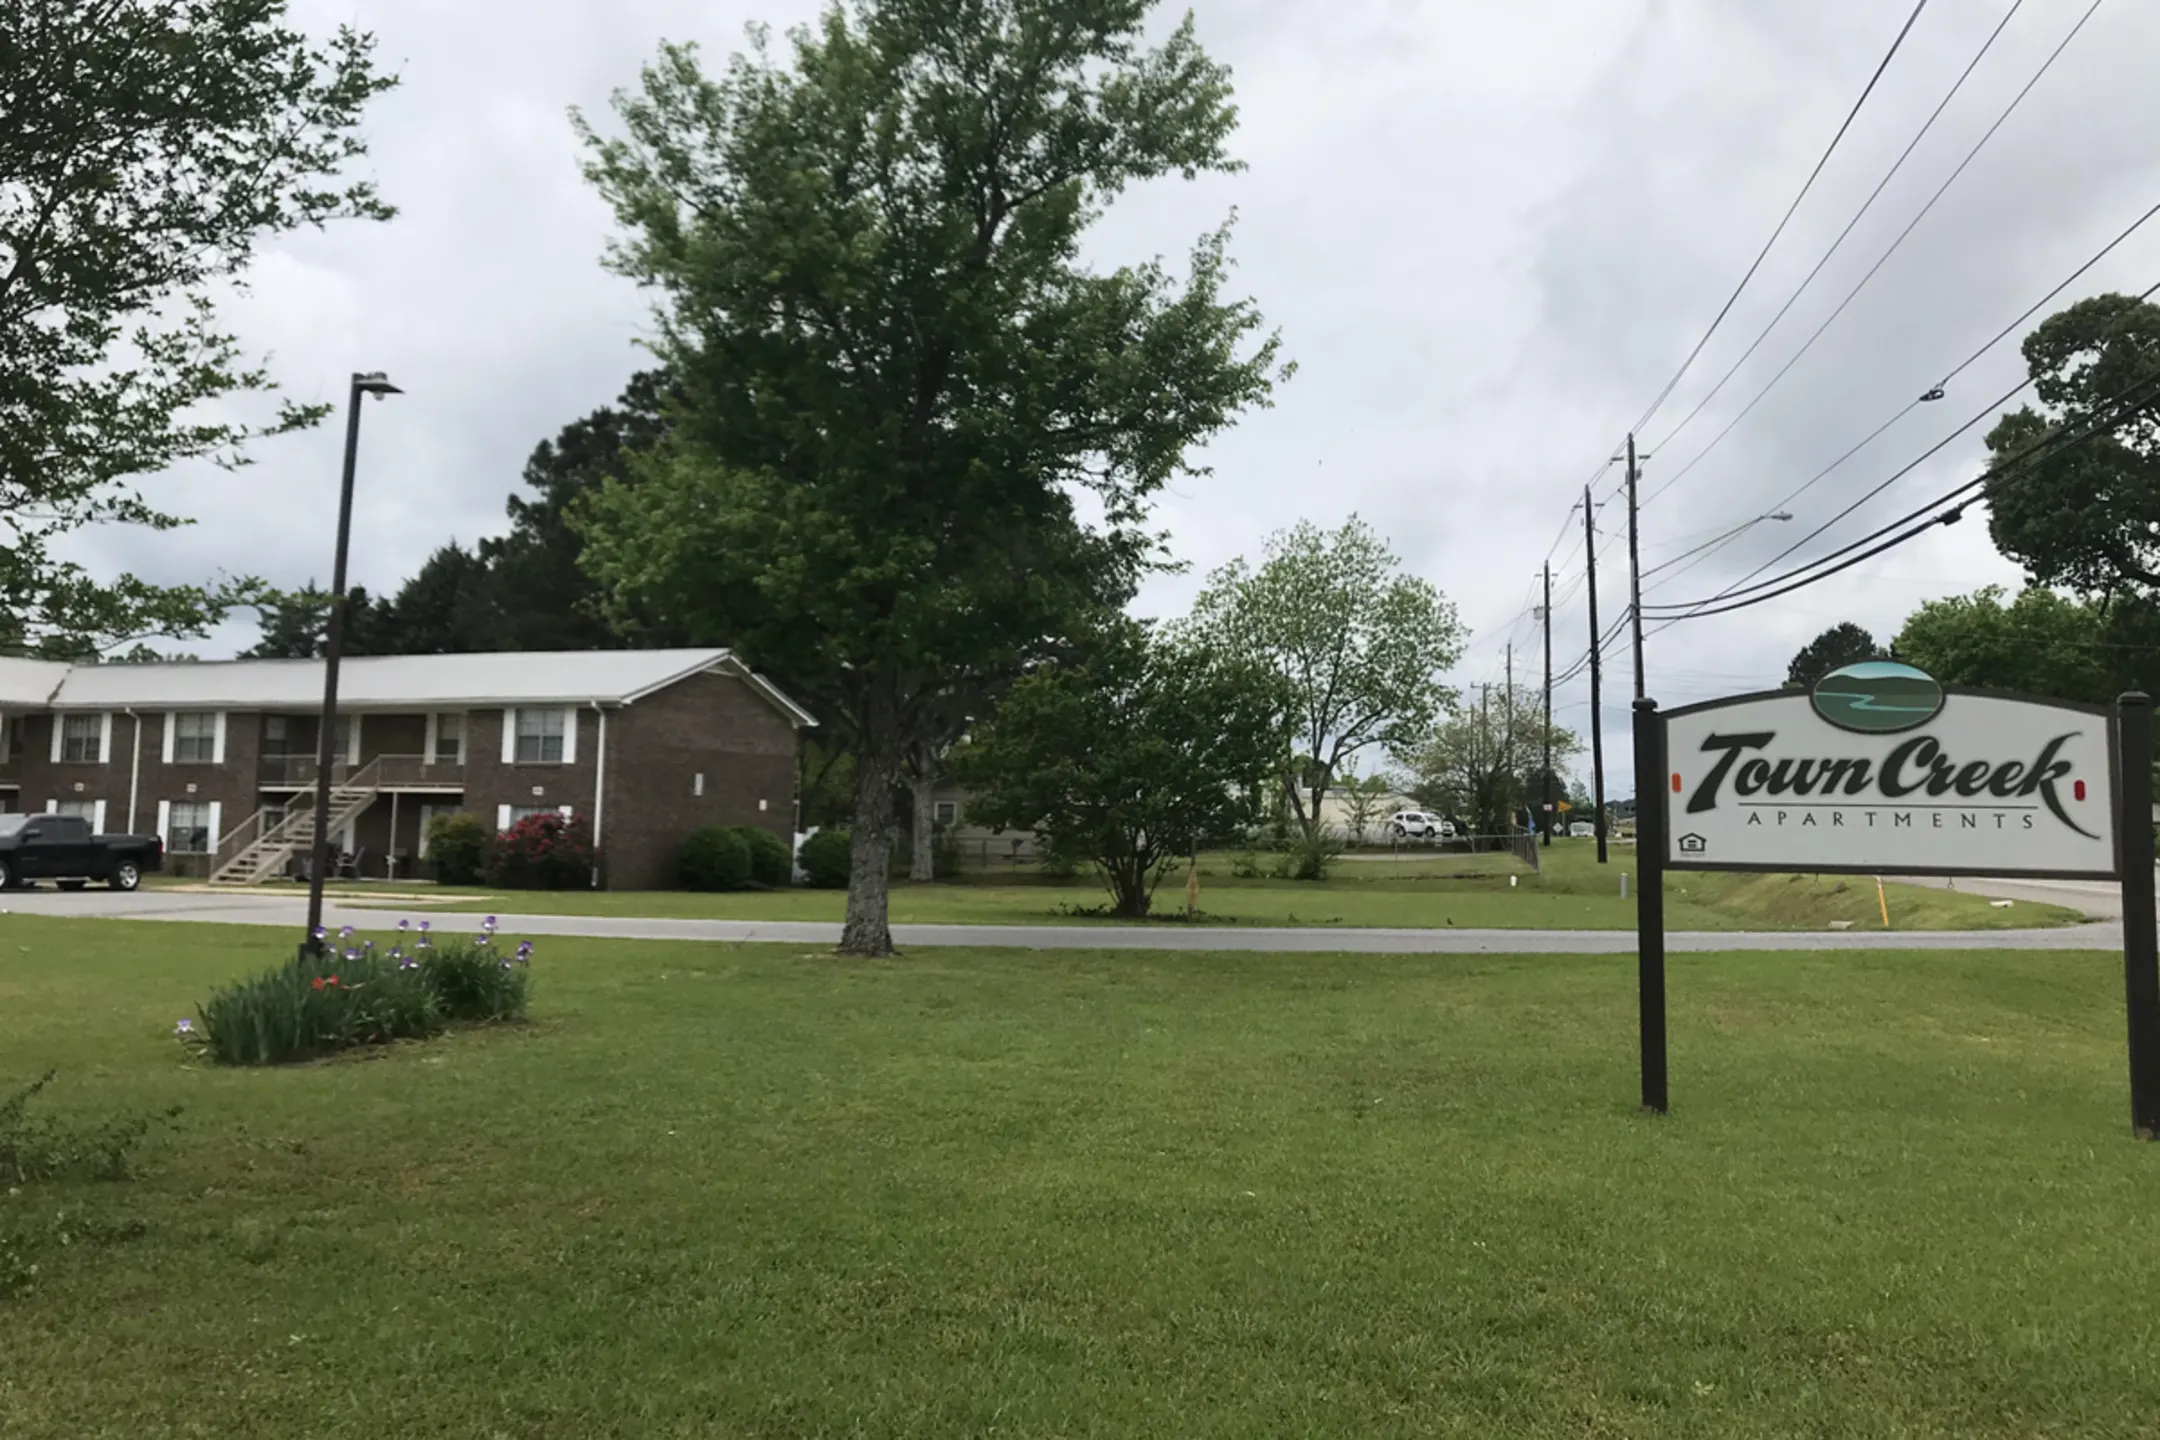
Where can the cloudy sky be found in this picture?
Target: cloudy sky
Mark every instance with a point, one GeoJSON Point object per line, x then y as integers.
{"type": "Point", "coordinates": [1488, 234]}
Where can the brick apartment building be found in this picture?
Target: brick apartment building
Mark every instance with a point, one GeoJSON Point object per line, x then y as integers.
{"type": "Point", "coordinates": [219, 758]}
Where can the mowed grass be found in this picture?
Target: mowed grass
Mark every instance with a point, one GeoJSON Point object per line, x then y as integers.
{"type": "Point", "coordinates": [1571, 891]}
{"type": "Point", "coordinates": [728, 1191]}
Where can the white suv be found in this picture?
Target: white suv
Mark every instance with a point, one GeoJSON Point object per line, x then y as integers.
{"type": "Point", "coordinates": [1417, 825]}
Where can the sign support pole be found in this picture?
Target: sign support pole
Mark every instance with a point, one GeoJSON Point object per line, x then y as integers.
{"type": "Point", "coordinates": [1651, 802]}
{"type": "Point", "coordinates": [2141, 968]}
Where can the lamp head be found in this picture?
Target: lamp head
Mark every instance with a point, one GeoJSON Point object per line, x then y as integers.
{"type": "Point", "coordinates": [376, 383]}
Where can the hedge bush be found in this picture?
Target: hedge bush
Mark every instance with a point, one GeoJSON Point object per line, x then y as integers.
{"type": "Point", "coordinates": [771, 864]}
{"type": "Point", "coordinates": [454, 845]}
{"type": "Point", "coordinates": [826, 859]}
{"type": "Point", "coordinates": [715, 858]}
{"type": "Point", "coordinates": [341, 993]}
{"type": "Point", "coordinates": [541, 852]}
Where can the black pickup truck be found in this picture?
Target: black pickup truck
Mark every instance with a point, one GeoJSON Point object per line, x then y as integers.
{"type": "Point", "coordinates": [61, 848]}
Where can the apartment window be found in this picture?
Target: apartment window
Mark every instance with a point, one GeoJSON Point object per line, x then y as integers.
{"type": "Point", "coordinates": [82, 739]}
{"type": "Point", "coordinates": [194, 738]}
{"type": "Point", "coordinates": [944, 812]}
{"type": "Point", "coordinates": [526, 812]}
{"type": "Point", "coordinates": [540, 737]}
{"type": "Point", "coordinates": [80, 809]}
{"type": "Point", "coordinates": [189, 830]}
{"type": "Point", "coordinates": [277, 735]}
{"type": "Point", "coordinates": [449, 740]}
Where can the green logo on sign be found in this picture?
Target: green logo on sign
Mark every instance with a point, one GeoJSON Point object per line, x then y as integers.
{"type": "Point", "coordinates": [1877, 697]}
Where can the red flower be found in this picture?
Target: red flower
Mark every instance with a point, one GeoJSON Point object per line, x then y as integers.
{"type": "Point", "coordinates": [320, 982]}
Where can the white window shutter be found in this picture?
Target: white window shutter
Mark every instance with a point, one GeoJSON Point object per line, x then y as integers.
{"type": "Point", "coordinates": [52, 807]}
{"type": "Point", "coordinates": [172, 723]}
{"type": "Point", "coordinates": [217, 813]}
{"type": "Point", "coordinates": [104, 744]}
{"type": "Point", "coordinates": [164, 823]}
{"type": "Point", "coordinates": [427, 746]}
{"type": "Point", "coordinates": [217, 743]}
{"type": "Point", "coordinates": [568, 812]}
{"type": "Point", "coordinates": [569, 735]}
{"type": "Point", "coordinates": [59, 728]}
{"type": "Point", "coordinates": [502, 818]}
{"type": "Point", "coordinates": [352, 740]}
{"type": "Point", "coordinates": [509, 737]}
{"type": "Point", "coordinates": [97, 817]}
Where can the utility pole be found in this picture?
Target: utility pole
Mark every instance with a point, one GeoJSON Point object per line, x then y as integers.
{"type": "Point", "coordinates": [1634, 565]}
{"type": "Point", "coordinates": [1507, 721]}
{"type": "Point", "coordinates": [1552, 816]}
{"type": "Point", "coordinates": [1597, 691]}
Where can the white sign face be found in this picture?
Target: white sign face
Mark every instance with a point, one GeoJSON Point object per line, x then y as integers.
{"type": "Point", "coordinates": [1910, 781]}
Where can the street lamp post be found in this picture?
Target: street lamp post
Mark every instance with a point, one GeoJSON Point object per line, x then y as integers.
{"type": "Point", "coordinates": [377, 384]}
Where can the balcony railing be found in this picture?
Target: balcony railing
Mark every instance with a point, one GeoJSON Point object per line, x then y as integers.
{"type": "Point", "coordinates": [401, 772]}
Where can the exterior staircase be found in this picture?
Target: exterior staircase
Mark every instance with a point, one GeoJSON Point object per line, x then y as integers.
{"type": "Point", "coordinates": [261, 848]}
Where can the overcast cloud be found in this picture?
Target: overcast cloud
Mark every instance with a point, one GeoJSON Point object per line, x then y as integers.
{"type": "Point", "coordinates": [1487, 232]}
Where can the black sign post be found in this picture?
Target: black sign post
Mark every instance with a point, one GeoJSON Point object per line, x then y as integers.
{"type": "Point", "coordinates": [1650, 898]}
{"type": "Point", "coordinates": [2141, 947]}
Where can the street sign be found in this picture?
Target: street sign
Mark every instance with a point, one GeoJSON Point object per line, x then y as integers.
{"type": "Point", "coordinates": [1879, 770]}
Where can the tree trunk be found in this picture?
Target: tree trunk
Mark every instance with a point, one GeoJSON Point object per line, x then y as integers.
{"type": "Point", "coordinates": [922, 863]}
{"type": "Point", "coordinates": [867, 931]}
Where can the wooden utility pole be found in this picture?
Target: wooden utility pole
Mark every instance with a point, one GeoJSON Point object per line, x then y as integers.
{"type": "Point", "coordinates": [1634, 567]}
{"type": "Point", "coordinates": [1552, 816]}
{"type": "Point", "coordinates": [1597, 690]}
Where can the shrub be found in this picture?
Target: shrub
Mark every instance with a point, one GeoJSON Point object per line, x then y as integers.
{"type": "Point", "coordinates": [454, 845]}
{"type": "Point", "coordinates": [540, 852]}
{"type": "Point", "coordinates": [715, 858]}
{"type": "Point", "coordinates": [827, 858]}
{"type": "Point", "coordinates": [771, 864]}
{"type": "Point", "coordinates": [335, 996]}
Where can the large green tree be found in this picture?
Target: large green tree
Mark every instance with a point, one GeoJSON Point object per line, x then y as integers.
{"type": "Point", "coordinates": [1362, 643]}
{"type": "Point", "coordinates": [897, 370]}
{"type": "Point", "coordinates": [1842, 644]}
{"type": "Point", "coordinates": [2085, 515]}
{"type": "Point", "coordinates": [2040, 643]}
{"type": "Point", "coordinates": [540, 597]}
{"type": "Point", "coordinates": [146, 148]}
{"type": "Point", "coordinates": [1131, 759]}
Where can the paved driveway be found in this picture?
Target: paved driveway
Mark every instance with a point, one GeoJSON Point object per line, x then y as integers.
{"type": "Point", "coordinates": [291, 912]}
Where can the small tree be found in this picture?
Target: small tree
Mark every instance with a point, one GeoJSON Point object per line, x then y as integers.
{"type": "Point", "coordinates": [1364, 798]}
{"type": "Point", "coordinates": [1474, 763]}
{"type": "Point", "coordinates": [1131, 758]}
{"type": "Point", "coordinates": [1361, 646]}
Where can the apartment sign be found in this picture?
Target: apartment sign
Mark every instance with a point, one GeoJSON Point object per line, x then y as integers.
{"type": "Point", "coordinates": [1881, 771]}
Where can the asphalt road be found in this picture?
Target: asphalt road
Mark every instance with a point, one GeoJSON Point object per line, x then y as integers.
{"type": "Point", "coordinates": [220, 909]}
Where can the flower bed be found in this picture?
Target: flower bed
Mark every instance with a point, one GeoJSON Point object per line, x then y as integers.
{"type": "Point", "coordinates": [335, 996]}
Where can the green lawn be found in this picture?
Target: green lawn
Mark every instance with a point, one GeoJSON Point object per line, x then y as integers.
{"type": "Point", "coordinates": [1572, 892]}
{"type": "Point", "coordinates": [717, 1191]}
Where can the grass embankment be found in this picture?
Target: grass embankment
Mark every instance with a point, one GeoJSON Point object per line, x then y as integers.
{"type": "Point", "coordinates": [1570, 892]}
{"type": "Point", "coordinates": [747, 1191]}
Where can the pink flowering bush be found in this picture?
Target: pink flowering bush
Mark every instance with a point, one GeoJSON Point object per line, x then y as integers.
{"type": "Point", "coordinates": [540, 852]}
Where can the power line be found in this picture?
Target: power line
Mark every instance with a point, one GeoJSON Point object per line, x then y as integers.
{"type": "Point", "coordinates": [1873, 270]}
{"type": "Point", "coordinates": [2125, 403]}
{"type": "Point", "coordinates": [1764, 253]}
{"type": "Point", "coordinates": [1911, 405]}
{"type": "Point", "coordinates": [1843, 235]}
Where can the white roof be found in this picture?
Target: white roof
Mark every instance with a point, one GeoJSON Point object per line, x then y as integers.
{"type": "Point", "coordinates": [373, 682]}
